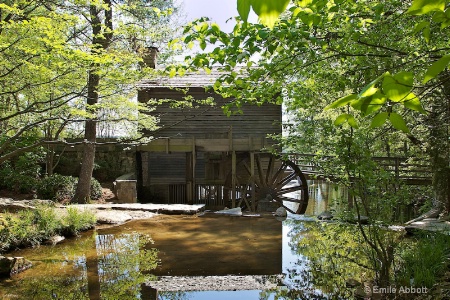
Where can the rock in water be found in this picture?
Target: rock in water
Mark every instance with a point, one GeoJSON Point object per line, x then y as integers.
{"type": "Point", "coordinates": [281, 212]}
{"type": "Point", "coordinates": [56, 239]}
{"type": "Point", "coordinates": [13, 265]}
{"type": "Point", "coordinates": [326, 215]}
{"type": "Point", "coordinates": [233, 211]}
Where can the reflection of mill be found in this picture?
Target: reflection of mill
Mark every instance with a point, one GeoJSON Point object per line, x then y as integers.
{"type": "Point", "coordinates": [212, 252]}
{"type": "Point", "coordinates": [325, 196]}
{"type": "Point", "coordinates": [220, 250]}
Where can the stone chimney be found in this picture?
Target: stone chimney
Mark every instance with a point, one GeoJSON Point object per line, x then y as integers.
{"type": "Point", "coordinates": [150, 56]}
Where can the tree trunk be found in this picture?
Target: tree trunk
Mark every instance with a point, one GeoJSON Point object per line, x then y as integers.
{"type": "Point", "coordinates": [439, 150]}
{"type": "Point", "coordinates": [440, 153]}
{"type": "Point", "coordinates": [83, 192]}
{"type": "Point", "coordinates": [99, 43]}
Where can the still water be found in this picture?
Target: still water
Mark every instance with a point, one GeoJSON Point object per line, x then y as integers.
{"type": "Point", "coordinates": [201, 257]}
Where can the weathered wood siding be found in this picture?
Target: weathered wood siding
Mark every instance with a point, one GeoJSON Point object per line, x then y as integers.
{"type": "Point", "coordinates": [164, 168]}
{"type": "Point", "coordinates": [210, 121]}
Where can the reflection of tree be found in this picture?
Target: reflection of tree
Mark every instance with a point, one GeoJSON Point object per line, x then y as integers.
{"type": "Point", "coordinates": [329, 255]}
{"type": "Point", "coordinates": [121, 259]}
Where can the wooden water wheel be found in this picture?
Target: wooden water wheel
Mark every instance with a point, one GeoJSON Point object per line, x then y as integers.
{"type": "Point", "coordinates": [261, 179]}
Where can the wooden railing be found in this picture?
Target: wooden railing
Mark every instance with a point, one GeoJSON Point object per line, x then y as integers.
{"type": "Point", "coordinates": [415, 173]}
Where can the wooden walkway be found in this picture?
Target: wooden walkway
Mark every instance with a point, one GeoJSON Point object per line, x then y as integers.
{"type": "Point", "coordinates": [413, 173]}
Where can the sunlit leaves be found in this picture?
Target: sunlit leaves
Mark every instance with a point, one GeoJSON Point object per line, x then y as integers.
{"type": "Point", "coordinates": [421, 7]}
{"type": "Point", "coordinates": [368, 89]}
{"type": "Point", "coordinates": [423, 26]}
{"type": "Point", "coordinates": [436, 68]}
{"type": "Point", "coordinates": [379, 120]}
{"type": "Point", "coordinates": [395, 119]}
{"type": "Point", "coordinates": [243, 7]}
{"type": "Point", "coordinates": [398, 122]}
{"type": "Point", "coordinates": [368, 105]}
{"type": "Point", "coordinates": [397, 87]}
{"type": "Point", "coordinates": [342, 101]}
{"type": "Point", "coordinates": [442, 17]}
{"type": "Point", "coordinates": [46, 54]}
{"type": "Point", "coordinates": [412, 102]}
{"type": "Point", "coordinates": [268, 11]}
{"type": "Point", "coordinates": [346, 118]}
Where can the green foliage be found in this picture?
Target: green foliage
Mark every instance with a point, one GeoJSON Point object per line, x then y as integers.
{"type": "Point", "coordinates": [423, 260]}
{"type": "Point", "coordinates": [45, 56]}
{"type": "Point", "coordinates": [62, 188]}
{"type": "Point", "coordinates": [57, 187]}
{"type": "Point", "coordinates": [47, 221]}
{"type": "Point", "coordinates": [268, 11]}
{"type": "Point", "coordinates": [77, 220]}
{"type": "Point", "coordinates": [123, 263]}
{"type": "Point", "coordinates": [96, 189]}
{"type": "Point", "coordinates": [20, 230]}
{"type": "Point", "coordinates": [31, 227]}
{"type": "Point", "coordinates": [22, 174]}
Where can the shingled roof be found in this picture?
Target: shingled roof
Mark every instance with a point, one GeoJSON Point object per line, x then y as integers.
{"type": "Point", "coordinates": [193, 79]}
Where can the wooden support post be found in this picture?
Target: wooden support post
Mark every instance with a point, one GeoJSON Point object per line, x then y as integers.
{"type": "Point", "coordinates": [230, 139]}
{"type": "Point", "coordinates": [189, 199]}
{"type": "Point", "coordinates": [139, 176]}
{"type": "Point", "coordinates": [233, 179]}
{"type": "Point", "coordinates": [190, 174]}
{"type": "Point", "coordinates": [167, 145]}
{"type": "Point", "coordinates": [194, 162]}
{"type": "Point", "coordinates": [252, 179]}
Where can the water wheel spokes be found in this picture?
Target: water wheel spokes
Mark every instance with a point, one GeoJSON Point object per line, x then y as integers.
{"type": "Point", "coordinates": [242, 194]}
{"type": "Point", "coordinates": [272, 179]}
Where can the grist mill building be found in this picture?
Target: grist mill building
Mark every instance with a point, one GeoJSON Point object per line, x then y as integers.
{"type": "Point", "coordinates": [201, 155]}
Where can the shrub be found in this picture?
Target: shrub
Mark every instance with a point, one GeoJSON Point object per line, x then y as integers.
{"type": "Point", "coordinates": [96, 189]}
{"type": "Point", "coordinates": [31, 227]}
{"type": "Point", "coordinates": [77, 220]}
{"type": "Point", "coordinates": [59, 188]}
{"type": "Point", "coordinates": [47, 221]}
{"type": "Point", "coordinates": [423, 260]}
{"type": "Point", "coordinates": [22, 229]}
{"type": "Point", "coordinates": [22, 174]}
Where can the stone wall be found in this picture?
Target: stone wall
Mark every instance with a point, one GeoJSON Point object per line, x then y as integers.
{"type": "Point", "coordinates": [111, 161]}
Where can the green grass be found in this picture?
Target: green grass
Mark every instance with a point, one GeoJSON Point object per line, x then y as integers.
{"type": "Point", "coordinates": [423, 260]}
{"type": "Point", "coordinates": [32, 227]}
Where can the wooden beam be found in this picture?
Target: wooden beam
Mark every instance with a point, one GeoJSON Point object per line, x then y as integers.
{"type": "Point", "coordinates": [189, 179]}
{"type": "Point", "coordinates": [252, 179]}
{"type": "Point", "coordinates": [194, 162]}
{"type": "Point", "coordinates": [204, 145]}
{"type": "Point", "coordinates": [233, 179]}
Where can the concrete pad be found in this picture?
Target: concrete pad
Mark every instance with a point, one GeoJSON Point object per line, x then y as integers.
{"type": "Point", "coordinates": [168, 209]}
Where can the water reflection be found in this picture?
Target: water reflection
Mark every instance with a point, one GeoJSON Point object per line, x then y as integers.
{"type": "Point", "coordinates": [309, 260]}
{"type": "Point", "coordinates": [321, 260]}
{"type": "Point", "coordinates": [92, 267]}
{"type": "Point", "coordinates": [325, 196]}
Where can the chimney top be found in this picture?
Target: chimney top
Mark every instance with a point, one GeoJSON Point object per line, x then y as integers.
{"type": "Point", "coordinates": [150, 56]}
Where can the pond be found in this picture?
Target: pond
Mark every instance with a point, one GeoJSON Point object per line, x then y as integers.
{"type": "Point", "coordinates": [201, 257]}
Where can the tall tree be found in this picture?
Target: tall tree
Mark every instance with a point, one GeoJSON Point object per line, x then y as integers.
{"type": "Point", "coordinates": [101, 40]}
{"type": "Point", "coordinates": [49, 48]}
{"type": "Point", "coordinates": [380, 59]}
{"type": "Point", "coordinates": [39, 74]}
